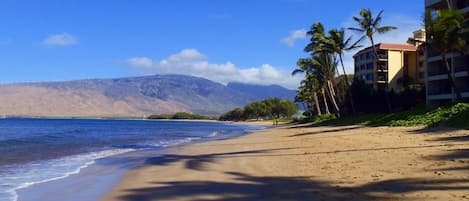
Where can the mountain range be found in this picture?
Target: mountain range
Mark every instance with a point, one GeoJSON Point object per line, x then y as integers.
{"type": "Point", "coordinates": [131, 97]}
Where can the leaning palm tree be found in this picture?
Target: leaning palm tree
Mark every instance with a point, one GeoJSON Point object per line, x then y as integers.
{"type": "Point", "coordinates": [317, 35]}
{"type": "Point", "coordinates": [310, 81]}
{"type": "Point", "coordinates": [369, 26]}
{"type": "Point", "coordinates": [338, 43]}
{"type": "Point", "coordinates": [325, 66]}
{"type": "Point", "coordinates": [447, 32]}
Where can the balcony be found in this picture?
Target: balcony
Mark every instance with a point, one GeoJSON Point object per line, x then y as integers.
{"type": "Point", "coordinates": [382, 68]}
{"type": "Point", "coordinates": [382, 57]}
{"type": "Point", "coordinates": [439, 90]}
{"type": "Point", "coordinates": [461, 68]}
{"type": "Point", "coordinates": [437, 71]}
{"type": "Point", "coordinates": [381, 78]}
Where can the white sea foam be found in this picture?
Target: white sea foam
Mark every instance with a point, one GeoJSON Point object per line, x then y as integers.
{"type": "Point", "coordinates": [168, 143]}
{"type": "Point", "coordinates": [213, 134]}
{"type": "Point", "coordinates": [15, 177]}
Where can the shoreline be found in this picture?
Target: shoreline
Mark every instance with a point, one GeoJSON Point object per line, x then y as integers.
{"type": "Point", "coordinates": [97, 178]}
{"type": "Point", "coordinates": [309, 163]}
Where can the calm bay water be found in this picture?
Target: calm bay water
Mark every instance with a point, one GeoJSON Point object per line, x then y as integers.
{"type": "Point", "coordinates": [34, 151]}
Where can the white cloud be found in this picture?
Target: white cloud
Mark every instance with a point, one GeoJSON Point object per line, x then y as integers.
{"type": "Point", "coordinates": [192, 62]}
{"type": "Point", "coordinates": [143, 62]}
{"type": "Point", "coordinates": [293, 37]}
{"type": "Point", "coordinates": [405, 24]}
{"type": "Point", "coordinates": [62, 39]}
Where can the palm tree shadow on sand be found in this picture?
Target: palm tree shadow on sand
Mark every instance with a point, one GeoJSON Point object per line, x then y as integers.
{"type": "Point", "coordinates": [244, 187]}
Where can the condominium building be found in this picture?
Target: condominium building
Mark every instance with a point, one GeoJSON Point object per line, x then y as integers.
{"type": "Point", "coordinates": [439, 90]}
{"type": "Point", "coordinates": [395, 68]}
{"type": "Point", "coordinates": [418, 40]}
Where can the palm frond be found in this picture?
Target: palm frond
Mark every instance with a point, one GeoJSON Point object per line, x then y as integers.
{"type": "Point", "coordinates": [385, 29]}
{"type": "Point", "coordinates": [297, 71]}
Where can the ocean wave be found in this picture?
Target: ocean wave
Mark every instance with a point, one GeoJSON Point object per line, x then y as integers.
{"type": "Point", "coordinates": [15, 177]}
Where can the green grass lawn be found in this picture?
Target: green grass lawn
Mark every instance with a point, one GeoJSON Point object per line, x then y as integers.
{"type": "Point", "coordinates": [456, 115]}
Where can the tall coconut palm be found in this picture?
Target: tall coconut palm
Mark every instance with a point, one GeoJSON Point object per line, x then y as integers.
{"type": "Point", "coordinates": [369, 26]}
{"type": "Point", "coordinates": [339, 44]}
{"type": "Point", "coordinates": [447, 32]}
{"type": "Point", "coordinates": [317, 47]}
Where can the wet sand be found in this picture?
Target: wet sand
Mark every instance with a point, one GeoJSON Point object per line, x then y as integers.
{"type": "Point", "coordinates": [310, 163]}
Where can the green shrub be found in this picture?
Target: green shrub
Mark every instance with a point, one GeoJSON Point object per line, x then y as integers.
{"type": "Point", "coordinates": [323, 118]}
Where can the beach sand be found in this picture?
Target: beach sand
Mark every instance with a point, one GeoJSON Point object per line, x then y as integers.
{"type": "Point", "coordinates": [310, 163]}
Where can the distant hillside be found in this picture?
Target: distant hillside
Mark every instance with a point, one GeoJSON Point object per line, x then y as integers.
{"type": "Point", "coordinates": [260, 92]}
{"type": "Point", "coordinates": [133, 96]}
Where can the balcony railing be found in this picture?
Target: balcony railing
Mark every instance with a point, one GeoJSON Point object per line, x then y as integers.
{"type": "Point", "coordinates": [439, 90]}
{"type": "Point", "coordinates": [461, 68]}
{"type": "Point", "coordinates": [382, 68]}
{"type": "Point", "coordinates": [382, 56]}
{"type": "Point", "coordinates": [436, 71]}
{"type": "Point", "coordinates": [381, 78]}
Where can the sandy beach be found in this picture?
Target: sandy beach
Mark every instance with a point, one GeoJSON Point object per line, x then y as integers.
{"type": "Point", "coordinates": [298, 162]}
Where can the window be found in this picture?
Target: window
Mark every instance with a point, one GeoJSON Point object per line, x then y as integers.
{"type": "Point", "coordinates": [369, 76]}
{"type": "Point", "coordinates": [369, 66]}
{"type": "Point", "coordinates": [363, 77]}
{"type": "Point", "coordinates": [421, 75]}
{"type": "Point", "coordinates": [420, 64]}
{"type": "Point", "coordinates": [370, 55]}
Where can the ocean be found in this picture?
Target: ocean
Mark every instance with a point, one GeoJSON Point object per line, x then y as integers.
{"type": "Point", "coordinates": [36, 151]}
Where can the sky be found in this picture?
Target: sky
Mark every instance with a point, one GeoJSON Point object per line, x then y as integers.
{"type": "Point", "coordinates": [251, 41]}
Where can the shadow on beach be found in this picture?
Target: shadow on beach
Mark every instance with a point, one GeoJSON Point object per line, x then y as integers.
{"type": "Point", "coordinates": [246, 187]}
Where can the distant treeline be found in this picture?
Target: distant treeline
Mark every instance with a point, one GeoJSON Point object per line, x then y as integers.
{"type": "Point", "coordinates": [272, 108]}
{"type": "Point", "coordinates": [179, 115]}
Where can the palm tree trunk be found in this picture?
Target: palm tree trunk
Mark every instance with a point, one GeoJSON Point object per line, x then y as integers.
{"type": "Point", "coordinates": [325, 101]}
{"type": "Point", "coordinates": [331, 95]}
{"type": "Point", "coordinates": [448, 3]}
{"type": "Point", "coordinates": [315, 96]}
{"type": "Point", "coordinates": [348, 85]}
{"type": "Point", "coordinates": [386, 95]}
{"type": "Point", "coordinates": [450, 77]}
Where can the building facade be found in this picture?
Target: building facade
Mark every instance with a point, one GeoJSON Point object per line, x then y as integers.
{"type": "Point", "coordinates": [418, 40]}
{"type": "Point", "coordinates": [395, 68]}
{"type": "Point", "coordinates": [439, 90]}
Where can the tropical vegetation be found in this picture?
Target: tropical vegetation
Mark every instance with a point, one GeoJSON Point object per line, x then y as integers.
{"type": "Point", "coordinates": [179, 115]}
{"type": "Point", "coordinates": [453, 115]}
{"type": "Point", "coordinates": [324, 90]}
{"type": "Point", "coordinates": [272, 108]}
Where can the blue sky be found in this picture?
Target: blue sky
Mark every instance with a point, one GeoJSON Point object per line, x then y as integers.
{"type": "Point", "coordinates": [255, 41]}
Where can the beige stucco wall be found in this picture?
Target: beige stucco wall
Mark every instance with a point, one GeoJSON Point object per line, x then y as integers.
{"type": "Point", "coordinates": [395, 65]}
{"type": "Point", "coordinates": [412, 66]}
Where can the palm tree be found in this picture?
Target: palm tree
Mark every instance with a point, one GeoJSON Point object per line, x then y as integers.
{"type": "Point", "coordinates": [369, 26]}
{"type": "Point", "coordinates": [325, 66]}
{"type": "Point", "coordinates": [317, 46]}
{"type": "Point", "coordinates": [310, 81]}
{"type": "Point", "coordinates": [317, 35]}
{"type": "Point", "coordinates": [338, 44]}
{"type": "Point", "coordinates": [447, 33]}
